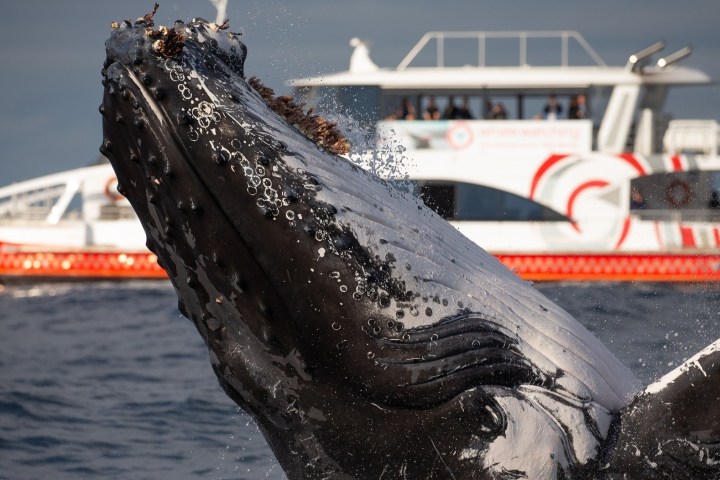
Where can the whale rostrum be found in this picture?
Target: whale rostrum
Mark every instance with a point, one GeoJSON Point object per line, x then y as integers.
{"type": "Point", "coordinates": [365, 335]}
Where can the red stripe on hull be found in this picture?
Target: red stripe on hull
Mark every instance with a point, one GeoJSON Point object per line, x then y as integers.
{"type": "Point", "coordinates": [676, 163]}
{"type": "Point", "coordinates": [615, 267]}
{"type": "Point", "coordinates": [538, 267]}
{"type": "Point", "coordinates": [16, 262]}
{"type": "Point", "coordinates": [688, 237]}
{"type": "Point", "coordinates": [547, 164]}
{"type": "Point", "coordinates": [624, 233]}
{"type": "Point", "coordinates": [630, 158]}
{"type": "Point", "coordinates": [578, 191]}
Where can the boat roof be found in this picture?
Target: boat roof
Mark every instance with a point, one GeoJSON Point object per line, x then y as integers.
{"type": "Point", "coordinates": [480, 77]}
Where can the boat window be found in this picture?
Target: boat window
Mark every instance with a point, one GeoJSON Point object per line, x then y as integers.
{"type": "Point", "coordinates": [689, 196]}
{"type": "Point", "coordinates": [471, 202]}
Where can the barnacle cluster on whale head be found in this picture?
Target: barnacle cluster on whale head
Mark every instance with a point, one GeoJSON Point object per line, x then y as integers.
{"type": "Point", "coordinates": [169, 42]}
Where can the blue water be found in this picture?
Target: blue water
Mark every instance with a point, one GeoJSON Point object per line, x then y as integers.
{"type": "Point", "coordinates": [107, 380]}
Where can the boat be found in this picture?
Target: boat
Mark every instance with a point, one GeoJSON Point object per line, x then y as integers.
{"type": "Point", "coordinates": [551, 198]}
{"type": "Point", "coordinates": [620, 191]}
{"type": "Point", "coordinates": [72, 225]}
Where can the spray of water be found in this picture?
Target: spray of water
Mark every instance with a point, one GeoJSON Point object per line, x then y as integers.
{"type": "Point", "coordinates": [382, 154]}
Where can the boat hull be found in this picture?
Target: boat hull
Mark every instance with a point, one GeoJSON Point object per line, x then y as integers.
{"type": "Point", "coordinates": [646, 267]}
{"type": "Point", "coordinates": [18, 261]}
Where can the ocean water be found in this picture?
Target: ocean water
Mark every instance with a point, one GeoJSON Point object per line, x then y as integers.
{"type": "Point", "coordinates": [106, 380]}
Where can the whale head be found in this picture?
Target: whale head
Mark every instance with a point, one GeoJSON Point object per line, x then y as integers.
{"type": "Point", "coordinates": [362, 331]}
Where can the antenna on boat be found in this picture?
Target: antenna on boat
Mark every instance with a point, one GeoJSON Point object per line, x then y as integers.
{"type": "Point", "coordinates": [634, 62]}
{"type": "Point", "coordinates": [674, 57]}
{"type": "Point", "coordinates": [221, 7]}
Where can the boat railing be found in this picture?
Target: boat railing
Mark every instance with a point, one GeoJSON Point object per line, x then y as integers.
{"type": "Point", "coordinates": [35, 204]}
{"type": "Point", "coordinates": [113, 211]}
{"type": "Point", "coordinates": [565, 37]}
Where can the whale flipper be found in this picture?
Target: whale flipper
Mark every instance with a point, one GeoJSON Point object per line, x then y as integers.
{"type": "Point", "coordinates": [672, 429]}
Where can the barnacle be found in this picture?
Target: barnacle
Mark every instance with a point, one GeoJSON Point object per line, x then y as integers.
{"type": "Point", "coordinates": [170, 41]}
{"type": "Point", "coordinates": [323, 132]}
{"type": "Point", "coordinates": [148, 18]}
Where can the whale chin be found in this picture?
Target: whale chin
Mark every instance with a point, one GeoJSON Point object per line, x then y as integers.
{"type": "Point", "coordinates": [366, 336]}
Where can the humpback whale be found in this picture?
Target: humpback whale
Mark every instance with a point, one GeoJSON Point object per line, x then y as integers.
{"type": "Point", "coordinates": [366, 336]}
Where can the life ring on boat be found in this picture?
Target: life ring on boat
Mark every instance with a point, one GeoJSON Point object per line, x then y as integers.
{"type": "Point", "coordinates": [459, 136]}
{"type": "Point", "coordinates": [678, 193]}
{"type": "Point", "coordinates": [111, 190]}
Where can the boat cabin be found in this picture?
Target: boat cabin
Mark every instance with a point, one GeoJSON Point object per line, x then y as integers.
{"type": "Point", "coordinates": [534, 128]}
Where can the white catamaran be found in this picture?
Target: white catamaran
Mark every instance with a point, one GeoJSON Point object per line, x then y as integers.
{"type": "Point", "coordinates": [618, 192]}
{"type": "Point", "coordinates": [608, 188]}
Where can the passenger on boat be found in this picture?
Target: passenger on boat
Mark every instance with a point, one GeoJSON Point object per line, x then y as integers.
{"type": "Point", "coordinates": [498, 112]}
{"type": "Point", "coordinates": [552, 109]}
{"type": "Point", "coordinates": [432, 112]}
{"type": "Point", "coordinates": [464, 111]}
{"type": "Point", "coordinates": [451, 112]}
{"type": "Point", "coordinates": [637, 201]}
{"type": "Point", "coordinates": [487, 108]}
{"type": "Point", "coordinates": [407, 110]}
{"type": "Point", "coordinates": [578, 107]}
{"type": "Point", "coordinates": [714, 202]}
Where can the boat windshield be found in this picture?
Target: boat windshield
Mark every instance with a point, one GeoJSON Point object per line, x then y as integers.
{"type": "Point", "coordinates": [472, 202]}
{"type": "Point", "coordinates": [677, 196]}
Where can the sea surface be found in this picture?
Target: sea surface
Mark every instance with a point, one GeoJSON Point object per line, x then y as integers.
{"type": "Point", "coordinates": [105, 380]}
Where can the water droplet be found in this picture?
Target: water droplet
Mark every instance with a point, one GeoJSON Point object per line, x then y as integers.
{"type": "Point", "coordinates": [343, 288]}
{"type": "Point", "coordinates": [335, 326]}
